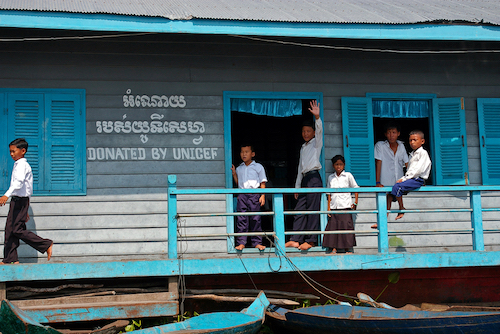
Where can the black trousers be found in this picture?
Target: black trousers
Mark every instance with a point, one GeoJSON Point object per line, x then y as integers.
{"type": "Point", "coordinates": [308, 202]}
{"type": "Point", "coordinates": [15, 230]}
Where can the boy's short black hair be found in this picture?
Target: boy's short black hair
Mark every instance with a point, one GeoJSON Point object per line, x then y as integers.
{"type": "Point", "coordinates": [418, 133]}
{"type": "Point", "coordinates": [309, 123]}
{"type": "Point", "coordinates": [391, 125]}
{"type": "Point", "coordinates": [338, 157]}
{"type": "Point", "coordinates": [252, 148]}
{"type": "Point", "coordinates": [20, 143]}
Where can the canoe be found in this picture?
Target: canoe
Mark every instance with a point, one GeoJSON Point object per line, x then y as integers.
{"type": "Point", "coordinates": [358, 319]}
{"type": "Point", "coordinates": [14, 321]}
{"type": "Point", "coordinates": [248, 321]}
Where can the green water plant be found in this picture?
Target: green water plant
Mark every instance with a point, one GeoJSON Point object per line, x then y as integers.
{"type": "Point", "coordinates": [135, 325]}
{"type": "Point", "coordinates": [393, 279]}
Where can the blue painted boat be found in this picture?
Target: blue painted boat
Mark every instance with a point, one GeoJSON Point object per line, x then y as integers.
{"type": "Point", "coordinates": [14, 321]}
{"type": "Point", "coordinates": [357, 319]}
{"type": "Point", "coordinates": [248, 321]}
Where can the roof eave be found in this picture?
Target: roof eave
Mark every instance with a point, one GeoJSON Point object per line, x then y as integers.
{"type": "Point", "coordinates": [451, 31]}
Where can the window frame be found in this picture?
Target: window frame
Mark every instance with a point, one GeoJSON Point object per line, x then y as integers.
{"type": "Point", "coordinates": [75, 140]}
{"type": "Point", "coordinates": [434, 134]}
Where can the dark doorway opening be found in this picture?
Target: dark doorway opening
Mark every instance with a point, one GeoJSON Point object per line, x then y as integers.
{"type": "Point", "coordinates": [277, 142]}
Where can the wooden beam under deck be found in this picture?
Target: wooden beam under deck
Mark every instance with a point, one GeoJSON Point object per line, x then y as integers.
{"type": "Point", "coordinates": [68, 309]}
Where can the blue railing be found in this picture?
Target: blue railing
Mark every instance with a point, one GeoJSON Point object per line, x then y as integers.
{"type": "Point", "coordinates": [278, 212]}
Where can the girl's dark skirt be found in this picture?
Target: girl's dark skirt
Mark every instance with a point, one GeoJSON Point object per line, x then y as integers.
{"type": "Point", "coordinates": [339, 222]}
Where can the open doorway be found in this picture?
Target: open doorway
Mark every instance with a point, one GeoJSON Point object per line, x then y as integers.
{"type": "Point", "coordinates": [277, 142]}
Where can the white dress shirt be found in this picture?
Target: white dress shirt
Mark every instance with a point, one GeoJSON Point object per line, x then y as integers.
{"type": "Point", "coordinates": [251, 176]}
{"type": "Point", "coordinates": [419, 166]}
{"type": "Point", "coordinates": [310, 153]}
{"type": "Point", "coordinates": [21, 181]}
{"type": "Point", "coordinates": [392, 164]}
{"type": "Point", "coordinates": [344, 180]}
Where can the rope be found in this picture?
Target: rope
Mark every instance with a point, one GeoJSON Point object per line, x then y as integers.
{"type": "Point", "coordinates": [311, 281]}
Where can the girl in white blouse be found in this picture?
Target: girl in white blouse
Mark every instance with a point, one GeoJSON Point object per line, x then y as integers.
{"type": "Point", "coordinates": [341, 243]}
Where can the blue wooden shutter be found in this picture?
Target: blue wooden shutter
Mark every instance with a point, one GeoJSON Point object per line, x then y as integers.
{"type": "Point", "coordinates": [357, 126]}
{"type": "Point", "coordinates": [63, 144]}
{"type": "Point", "coordinates": [26, 121]}
{"type": "Point", "coordinates": [450, 141]}
{"type": "Point", "coordinates": [488, 111]}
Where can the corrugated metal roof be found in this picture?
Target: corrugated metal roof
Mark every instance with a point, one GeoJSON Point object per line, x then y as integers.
{"type": "Point", "coordinates": [319, 11]}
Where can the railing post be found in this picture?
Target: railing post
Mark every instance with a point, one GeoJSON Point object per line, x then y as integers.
{"type": "Point", "coordinates": [172, 217]}
{"type": "Point", "coordinates": [383, 237]}
{"type": "Point", "coordinates": [477, 221]}
{"type": "Point", "coordinates": [230, 223]}
{"type": "Point", "coordinates": [279, 221]}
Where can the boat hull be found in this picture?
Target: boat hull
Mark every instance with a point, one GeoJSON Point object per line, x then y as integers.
{"type": "Point", "coordinates": [248, 321]}
{"type": "Point", "coordinates": [356, 320]}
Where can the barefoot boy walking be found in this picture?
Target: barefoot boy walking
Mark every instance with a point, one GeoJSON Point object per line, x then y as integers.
{"type": "Point", "coordinates": [20, 191]}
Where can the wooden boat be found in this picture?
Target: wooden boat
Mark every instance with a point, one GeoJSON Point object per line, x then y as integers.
{"type": "Point", "coordinates": [14, 321]}
{"type": "Point", "coordinates": [248, 321]}
{"type": "Point", "coordinates": [357, 319]}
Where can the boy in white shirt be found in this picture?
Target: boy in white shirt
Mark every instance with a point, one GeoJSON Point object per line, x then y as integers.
{"type": "Point", "coordinates": [390, 158]}
{"type": "Point", "coordinates": [308, 177]}
{"type": "Point", "coordinates": [20, 191]}
{"type": "Point", "coordinates": [419, 167]}
{"type": "Point", "coordinates": [249, 175]}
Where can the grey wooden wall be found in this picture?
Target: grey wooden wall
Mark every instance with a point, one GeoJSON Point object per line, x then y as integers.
{"type": "Point", "coordinates": [123, 214]}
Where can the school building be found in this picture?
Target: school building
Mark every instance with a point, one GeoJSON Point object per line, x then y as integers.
{"type": "Point", "coordinates": [122, 101]}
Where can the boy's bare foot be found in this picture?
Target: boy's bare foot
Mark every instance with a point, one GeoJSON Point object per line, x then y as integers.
{"type": "Point", "coordinates": [374, 226]}
{"type": "Point", "coordinates": [240, 247]}
{"type": "Point", "coordinates": [1, 263]}
{"type": "Point", "coordinates": [399, 216]}
{"type": "Point", "coordinates": [292, 244]}
{"type": "Point", "coordinates": [306, 245]}
{"type": "Point", "coordinates": [49, 252]}
{"type": "Point", "coordinates": [333, 252]}
{"type": "Point", "coordinates": [260, 247]}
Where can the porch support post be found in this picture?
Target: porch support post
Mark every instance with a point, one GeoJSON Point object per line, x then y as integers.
{"type": "Point", "coordinates": [279, 221]}
{"type": "Point", "coordinates": [3, 291]}
{"type": "Point", "coordinates": [172, 217]}
{"type": "Point", "coordinates": [383, 239]}
{"type": "Point", "coordinates": [477, 221]}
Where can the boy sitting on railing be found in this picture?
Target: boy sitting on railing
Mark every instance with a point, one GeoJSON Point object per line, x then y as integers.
{"type": "Point", "coordinates": [419, 168]}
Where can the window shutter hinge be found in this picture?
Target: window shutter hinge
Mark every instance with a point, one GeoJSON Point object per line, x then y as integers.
{"type": "Point", "coordinates": [462, 103]}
